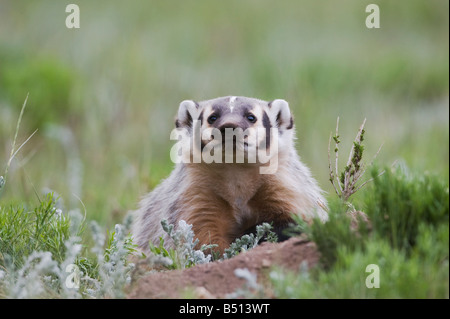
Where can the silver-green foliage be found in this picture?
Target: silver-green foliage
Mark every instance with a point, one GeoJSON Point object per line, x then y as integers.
{"type": "Point", "coordinates": [251, 240]}
{"type": "Point", "coordinates": [184, 254]}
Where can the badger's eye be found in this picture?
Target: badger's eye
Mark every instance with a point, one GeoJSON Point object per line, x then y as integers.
{"type": "Point", "coordinates": [212, 119]}
{"type": "Point", "coordinates": [251, 118]}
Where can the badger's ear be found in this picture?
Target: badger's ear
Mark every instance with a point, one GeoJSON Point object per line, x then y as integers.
{"type": "Point", "coordinates": [187, 111]}
{"type": "Point", "coordinates": [280, 114]}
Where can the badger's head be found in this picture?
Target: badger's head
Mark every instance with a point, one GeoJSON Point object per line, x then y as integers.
{"type": "Point", "coordinates": [234, 130]}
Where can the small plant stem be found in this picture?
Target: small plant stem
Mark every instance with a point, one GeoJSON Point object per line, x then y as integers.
{"type": "Point", "coordinates": [13, 152]}
{"type": "Point", "coordinates": [337, 153]}
{"type": "Point", "coordinates": [331, 169]}
{"type": "Point", "coordinates": [354, 170]}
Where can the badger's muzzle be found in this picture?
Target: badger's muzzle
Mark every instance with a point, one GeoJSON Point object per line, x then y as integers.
{"type": "Point", "coordinates": [227, 131]}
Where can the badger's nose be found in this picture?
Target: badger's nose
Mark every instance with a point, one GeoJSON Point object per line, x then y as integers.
{"type": "Point", "coordinates": [225, 126]}
{"type": "Point", "coordinates": [230, 137]}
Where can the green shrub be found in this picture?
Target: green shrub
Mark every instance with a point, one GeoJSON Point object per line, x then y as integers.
{"type": "Point", "coordinates": [407, 237]}
{"type": "Point", "coordinates": [397, 206]}
{"type": "Point", "coordinates": [335, 233]}
{"type": "Point", "coordinates": [399, 203]}
{"type": "Point", "coordinates": [249, 241]}
{"type": "Point", "coordinates": [401, 276]}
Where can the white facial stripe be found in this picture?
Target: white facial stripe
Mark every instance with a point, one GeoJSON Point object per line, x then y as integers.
{"type": "Point", "coordinates": [232, 99]}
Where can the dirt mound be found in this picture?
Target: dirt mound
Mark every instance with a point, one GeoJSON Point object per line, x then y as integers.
{"type": "Point", "coordinates": [217, 279]}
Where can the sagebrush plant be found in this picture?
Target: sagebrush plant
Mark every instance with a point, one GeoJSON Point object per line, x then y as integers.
{"type": "Point", "coordinates": [184, 254]}
{"type": "Point", "coordinates": [249, 241]}
{"type": "Point", "coordinates": [114, 270]}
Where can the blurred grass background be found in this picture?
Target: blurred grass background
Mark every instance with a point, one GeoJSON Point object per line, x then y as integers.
{"type": "Point", "coordinates": [104, 96]}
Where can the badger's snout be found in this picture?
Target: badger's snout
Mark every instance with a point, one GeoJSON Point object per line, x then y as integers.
{"type": "Point", "coordinates": [228, 127]}
{"type": "Point", "coordinates": [223, 128]}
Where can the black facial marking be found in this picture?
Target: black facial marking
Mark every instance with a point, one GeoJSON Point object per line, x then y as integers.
{"type": "Point", "coordinates": [188, 122]}
{"type": "Point", "coordinates": [267, 125]}
{"type": "Point", "coordinates": [200, 118]}
{"type": "Point", "coordinates": [189, 119]}
{"type": "Point", "coordinates": [266, 121]}
{"type": "Point", "coordinates": [291, 124]}
{"type": "Point", "coordinates": [279, 119]}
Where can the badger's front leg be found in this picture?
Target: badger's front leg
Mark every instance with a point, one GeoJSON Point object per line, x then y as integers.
{"type": "Point", "coordinates": [213, 232]}
{"type": "Point", "coordinates": [212, 220]}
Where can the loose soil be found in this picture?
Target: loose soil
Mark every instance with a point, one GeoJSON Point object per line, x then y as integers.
{"type": "Point", "coordinates": [217, 279]}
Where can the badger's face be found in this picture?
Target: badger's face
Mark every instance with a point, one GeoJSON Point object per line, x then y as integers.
{"type": "Point", "coordinates": [236, 124]}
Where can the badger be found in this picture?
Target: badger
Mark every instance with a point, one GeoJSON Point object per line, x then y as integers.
{"type": "Point", "coordinates": [225, 199]}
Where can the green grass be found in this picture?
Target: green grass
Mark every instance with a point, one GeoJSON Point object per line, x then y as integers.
{"type": "Point", "coordinates": [23, 231]}
{"type": "Point", "coordinates": [399, 206]}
